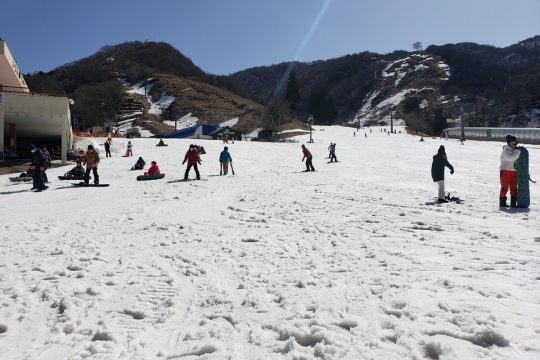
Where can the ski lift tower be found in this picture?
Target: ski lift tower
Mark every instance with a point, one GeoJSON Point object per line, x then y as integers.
{"type": "Point", "coordinates": [310, 122]}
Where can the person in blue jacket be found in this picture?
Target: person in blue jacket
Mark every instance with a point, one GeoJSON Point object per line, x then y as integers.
{"type": "Point", "coordinates": [437, 171]}
{"type": "Point", "coordinates": [224, 159]}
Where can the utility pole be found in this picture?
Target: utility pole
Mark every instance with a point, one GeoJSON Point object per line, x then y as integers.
{"type": "Point", "coordinates": [310, 121]}
{"type": "Point", "coordinates": [391, 123]}
{"type": "Point", "coordinates": [462, 123]}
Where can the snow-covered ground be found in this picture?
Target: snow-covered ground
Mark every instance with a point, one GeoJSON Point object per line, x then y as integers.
{"type": "Point", "coordinates": [349, 262]}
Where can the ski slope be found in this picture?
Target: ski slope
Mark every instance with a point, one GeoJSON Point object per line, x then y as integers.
{"type": "Point", "coordinates": [349, 262]}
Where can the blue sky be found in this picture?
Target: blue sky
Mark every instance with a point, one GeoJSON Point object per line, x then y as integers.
{"type": "Point", "coordinates": [224, 36]}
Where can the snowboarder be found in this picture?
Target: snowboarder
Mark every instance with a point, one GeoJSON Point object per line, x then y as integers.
{"type": "Point", "coordinates": [108, 147]}
{"type": "Point", "coordinates": [77, 171]}
{"type": "Point", "coordinates": [139, 165]}
{"type": "Point", "coordinates": [39, 164]}
{"type": "Point", "coordinates": [308, 157]}
{"type": "Point", "coordinates": [92, 161]}
{"type": "Point", "coordinates": [224, 159]}
{"type": "Point", "coordinates": [161, 143]}
{"type": "Point", "coordinates": [421, 138]}
{"type": "Point", "coordinates": [192, 157]}
{"type": "Point", "coordinates": [153, 170]}
{"type": "Point", "coordinates": [333, 153]}
{"type": "Point", "coordinates": [508, 173]}
{"type": "Point", "coordinates": [129, 151]}
{"type": "Point", "coordinates": [437, 171]}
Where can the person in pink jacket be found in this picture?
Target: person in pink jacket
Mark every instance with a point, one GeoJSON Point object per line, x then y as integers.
{"type": "Point", "coordinates": [153, 170]}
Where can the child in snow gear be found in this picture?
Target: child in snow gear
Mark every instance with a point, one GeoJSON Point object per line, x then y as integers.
{"type": "Point", "coordinates": [48, 163]}
{"type": "Point", "coordinates": [139, 165]}
{"type": "Point", "coordinates": [333, 152]}
{"type": "Point", "coordinates": [92, 161]}
{"type": "Point", "coordinates": [437, 171]}
{"type": "Point", "coordinates": [108, 147]}
{"type": "Point", "coordinates": [161, 143]}
{"type": "Point", "coordinates": [224, 159]}
{"type": "Point", "coordinates": [308, 157]}
{"type": "Point", "coordinates": [508, 173]}
{"type": "Point", "coordinates": [192, 157]}
{"type": "Point", "coordinates": [153, 170]}
{"type": "Point", "coordinates": [77, 171]}
{"type": "Point", "coordinates": [39, 164]}
{"type": "Point", "coordinates": [129, 151]}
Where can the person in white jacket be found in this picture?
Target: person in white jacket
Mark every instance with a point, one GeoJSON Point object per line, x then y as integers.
{"type": "Point", "coordinates": [508, 172]}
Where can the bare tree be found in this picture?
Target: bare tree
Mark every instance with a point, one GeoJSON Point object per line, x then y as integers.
{"type": "Point", "coordinates": [417, 46]}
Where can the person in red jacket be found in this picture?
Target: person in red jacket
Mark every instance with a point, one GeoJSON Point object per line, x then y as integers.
{"type": "Point", "coordinates": [192, 157]}
{"type": "Point", "coordinates": [308, 157]}
{"type": "Point", "coordinates": [153, 170]}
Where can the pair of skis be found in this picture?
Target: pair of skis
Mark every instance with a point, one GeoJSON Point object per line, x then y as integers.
{"type": "Point", "coordinates": [221, 168]}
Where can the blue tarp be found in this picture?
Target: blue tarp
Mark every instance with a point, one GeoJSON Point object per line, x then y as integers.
{"type": "Point", "coordinates": [190, 132]}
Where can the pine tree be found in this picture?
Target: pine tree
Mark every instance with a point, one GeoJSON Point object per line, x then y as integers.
{"type": "Point", "coordinates": [292, 94]}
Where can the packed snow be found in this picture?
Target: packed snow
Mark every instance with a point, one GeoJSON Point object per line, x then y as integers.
{"type": "Point", "coordinates": [183, 122]}
{"type": "Point", "coordinates": [353, 261]}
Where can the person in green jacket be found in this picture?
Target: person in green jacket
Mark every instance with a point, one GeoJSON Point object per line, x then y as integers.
{"type": "Point", "coordinates": [437, 171]}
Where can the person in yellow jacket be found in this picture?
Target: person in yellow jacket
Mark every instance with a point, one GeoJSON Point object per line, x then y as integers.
{"type": "Point", "coordinates": [92, 161]}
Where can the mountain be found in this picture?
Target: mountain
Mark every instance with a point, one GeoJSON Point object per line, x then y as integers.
{"type": "Point", "coordinates": [101, 86]}
{"type": "Point", "coordinates": [424, 89]}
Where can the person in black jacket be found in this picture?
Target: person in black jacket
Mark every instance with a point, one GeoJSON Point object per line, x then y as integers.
{"type": "Point", "coordinates": [437, 171]}
{"type": "Point", "coordinates": [107, 145]}
{"type": "Point", "coordinates": [39, 164]}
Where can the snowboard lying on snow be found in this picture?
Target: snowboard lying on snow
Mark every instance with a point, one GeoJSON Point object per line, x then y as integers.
{"type": "Point", "coordinates": [21, 178]}
{"type": "Point", "coordinates": [68, 177]}
{"type": "Point", "coordinates": [81, 184]}
{"type": "Point", "coordinates": [150, 177]}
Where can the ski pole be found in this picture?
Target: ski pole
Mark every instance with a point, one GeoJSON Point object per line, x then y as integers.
{"type": "Point", "coordinates": [232, 168]}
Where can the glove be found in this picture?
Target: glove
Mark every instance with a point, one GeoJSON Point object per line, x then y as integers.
{"type": "Point", "coordinates": [451, 171]}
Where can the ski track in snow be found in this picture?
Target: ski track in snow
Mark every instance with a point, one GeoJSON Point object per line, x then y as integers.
{"type": "Point", "coordinates": [350, 262]}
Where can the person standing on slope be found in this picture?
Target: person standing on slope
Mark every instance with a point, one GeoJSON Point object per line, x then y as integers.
{"type": "Point", "coordinates": [437, 171]}
{"type": "Point", "coordinates": [508, 173]}
{"type": "Point", "coordinates": [108, 147]}
{"type": "Point", "coordinates": [192, 158]}
{"type": "Point", "coordinates": [129, 151]}
{"type": "Point", "coordinates": [39, 164]}
{"type": "Point", "coordinates": [309, 159]}
{"type": "Point", "coordinates": [224, 159]}
{"type": "Point", "coordinates": [333, 153]}
{"type": "Point", "coordinates": [92, 161]}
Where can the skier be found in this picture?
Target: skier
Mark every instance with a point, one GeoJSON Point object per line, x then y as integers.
{"type": "Point", "coordinates": [129, 151]}
{"type": "Point", "coordinates": [108, 147]}
{"type": "Point", "coordinates": [309, 159]}
{"type": "Point", "coordinates": [39, 164]}
{"type": "Point", "coordinates": [224, 159]}
{"type": "Point", "coordinates": [139, 165]}
{"type": "Point", "coordinates": [508, 173]}
{"type": "Point", "coordinates": [437, 171]}
{"type": "Point", "coordinates": [153, 170]}
{"type": "Point", "coordinates": [192, 158]}
{"type": "Point", "coordinates": [92, 161]}
{"type": "Point", "coordinates": [333, 153]}
{"type": "Point", "coordinates": [77, 171]}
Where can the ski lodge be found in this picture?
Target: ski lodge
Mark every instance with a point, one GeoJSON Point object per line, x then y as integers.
{"type": "Point", "coordinates": [27, 118]}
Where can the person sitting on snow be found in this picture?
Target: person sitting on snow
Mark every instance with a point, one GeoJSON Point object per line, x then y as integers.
{"type": "Point", "coordinates": [77, 171]}
{"type": "Point", "coordinates": [161, 143]}
{"type": "Point", "coordinates": [153, 170]}
{"type": "Point", "coordinates": [139, 165]}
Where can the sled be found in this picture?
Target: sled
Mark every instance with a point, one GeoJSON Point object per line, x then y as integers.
{"type": "Point", "coordinates": [81, 184]}
{"type": "Point", "coordinates": [522, 167]}
{"type": "Point", "coordinates": [21, 179]}
{"type": "Point", "coordinates": [150, 177]}
{"type": "Point", "coordinates": [68, 177]}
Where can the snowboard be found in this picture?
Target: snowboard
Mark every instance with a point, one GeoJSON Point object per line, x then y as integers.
{"type": "Point", "coordinates": [162, 145]}
{"type": "Point", "coordinates": [150, 177]}
{"type": "Point", "coordinates": [21, 179]}
{"type": "Point", "coordinates": [81, 184]}
{"type": "Point", "coordinates": [67, 177]}
{"type": "Point", "coordinates": [522, 167]}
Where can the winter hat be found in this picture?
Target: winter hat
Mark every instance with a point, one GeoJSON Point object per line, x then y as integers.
{"type": "Point", "coordinates": [154, 163]}
{"type": "Point", "coordinates": [226, 148]}
{"type": "Point", "coordinates": [90, 147]}
{"type": "Point", "coordinates": [32, 147]}
{"type": "Point", "coordinates": [510, 138]}
{"type": "Point", "coordinates": [441, 150]}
